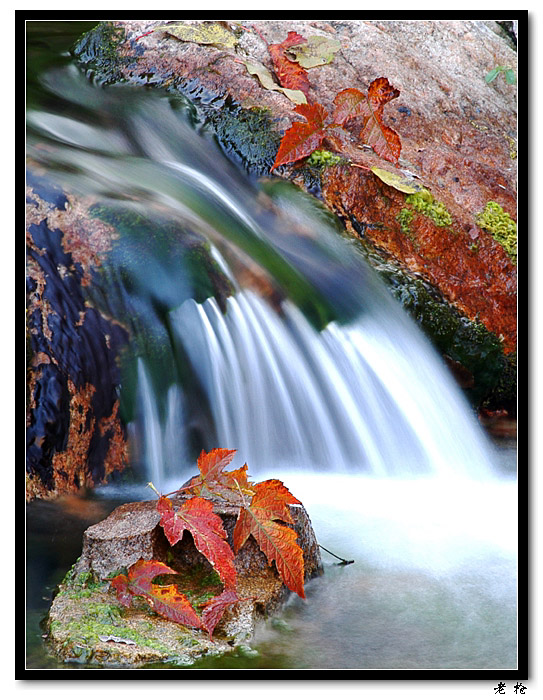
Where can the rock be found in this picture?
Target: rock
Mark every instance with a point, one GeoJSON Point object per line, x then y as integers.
{"type": "Point", "coordinates": [75, 437]}
{"type": "Point", "coordinates": [458, 138]}
{"type": "Point", "coordinates": [87, 623]}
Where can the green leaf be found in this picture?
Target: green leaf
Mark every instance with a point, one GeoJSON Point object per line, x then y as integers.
{"type": "Point", "coordinates": [491, 75]}
{"type": "Point", "coordinates": [203, 33]}
{"type": "Point", "coordinates": [403, 184]}
{"type": "Point", "coordinates": [510, 77]}
{"type": "Point", "coordinates": [267, 81]}
{"type": "Point", "coordinates": [317, 51]}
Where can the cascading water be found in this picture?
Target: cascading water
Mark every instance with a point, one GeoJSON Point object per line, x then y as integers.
{"type": "Point", "coordinates": [349, 398]}
{"type": "Point", "coordinates": [330, 388]}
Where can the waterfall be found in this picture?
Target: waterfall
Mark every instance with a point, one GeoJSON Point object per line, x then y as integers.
{"type": "Point", "coordinates": [350, 398]}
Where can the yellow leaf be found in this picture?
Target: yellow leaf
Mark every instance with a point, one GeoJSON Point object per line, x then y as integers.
{"type": "Point", "coordinates": [399, 182]}
{"type": "Point", "coordinates": [267, 81]}
{"type": "Point", "coordinates": [317, 51]}
{"type": "Point", "coordinates": [204, 33]}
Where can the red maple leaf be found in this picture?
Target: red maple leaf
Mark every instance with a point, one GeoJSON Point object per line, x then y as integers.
{"type": "Point", "coordinates": [278, 542]}
{"type": "Point", "coordinates": [167, 601]}
{"type": "Point", "coordinates": [351, 104]}
{"type": "Point", "coordinates": [303, 137]}
{"type": "Point", "coordinates": [289, 73]}
{"type": "Point", "coordinates": [210, 538]}
{"type": "Point", "coordinates": [214, 609]}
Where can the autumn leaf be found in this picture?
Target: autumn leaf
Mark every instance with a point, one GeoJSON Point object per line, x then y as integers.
{"type": "Point", "coordinates": [399, 182]}
{"type": "Point", "coordinates": [214, 481]}
{"type": "Point", "coordinates": [210, 538]}
{"type": "Point", "coordinates": [316, 51]}
{"type": "Point", "coordinates": [203, 33]}
{"type": "Point", "coordinates": [278, 542]}
{"type": "Point", "coordinates": [267, 81]}
{"type": "Point", "coordinates": [167, 601]}
{"type": "Point", "coordinates": [303, 137]}
{"type": "Point", "coordinates": [211, 464]}
{"type": "Point", "coordinates": [213, 610]}
{"type": "Point", "coordinates": [290, 74]}
{"type": "Point", "coordinates": [351, 103]}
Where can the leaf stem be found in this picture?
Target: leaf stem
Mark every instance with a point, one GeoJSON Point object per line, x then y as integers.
{"type": "Point", "coordinates": [152, 486]}
{"type": "Point", "coordinates": [344, 562]}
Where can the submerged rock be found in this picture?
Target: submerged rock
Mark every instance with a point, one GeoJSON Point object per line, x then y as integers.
{"type": "Point", "coordinates": [88, 624]}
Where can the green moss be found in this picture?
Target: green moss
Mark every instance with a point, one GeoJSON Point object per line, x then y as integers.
{"type": "Point", "coordinates": [82, 585]}
{"type": "Point", "coordinates": [103, 619]}
{"type": "Point", "coordinates": [404, 218]}
{"type": "Point", "coordinates": [424, 203]}
{"type": "Point", "coordinates": [502, 227]}
{"type": "Point", "coordinates": [323, 159]}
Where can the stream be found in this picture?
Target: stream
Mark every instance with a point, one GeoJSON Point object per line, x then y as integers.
{"type": "Point", "coordinates": [326, 385]}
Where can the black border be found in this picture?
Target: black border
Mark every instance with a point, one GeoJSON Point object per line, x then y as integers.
{"type": "Point", "coordinates": [525, 669]}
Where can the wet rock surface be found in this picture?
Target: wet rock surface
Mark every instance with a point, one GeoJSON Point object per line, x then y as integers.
{"type": "Point", "coordinates": [87, 624]}
{"type": "Point", "coordinates": [75, 437]}
{"type": "Point", "coordinates": [458, 137]}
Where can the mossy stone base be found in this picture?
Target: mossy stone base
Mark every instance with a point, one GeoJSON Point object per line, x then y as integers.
{"type": "Point", "coordinates": [89, 626]}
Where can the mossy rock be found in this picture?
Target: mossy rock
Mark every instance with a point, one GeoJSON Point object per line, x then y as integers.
{"type": "Point", "coordinates": [502, 227]}
{"type": "Point", "coordinates": [87, 625]}
{"type": "Point", "coordinates": [98, 50]}
{"type": "Point", "coordinates": [465, 342]}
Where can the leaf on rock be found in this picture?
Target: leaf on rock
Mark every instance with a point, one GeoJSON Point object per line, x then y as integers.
{"type": "Point", "coordinates": [316, 51]}
{"type": "Point", "coordinates": [351, 103]}
{"type": "Point", "coordinates": [278, 542]}
{"type": "Point", "coordinates": [267, 81]}
{"type": "Point", "coordinates": [214, 609]}
{"type": "Point", "coordinates": [492, 75]}
{"type": "Point", "coordinates": [214, 481]}
{"type": "Point", "coordinates": [203, 33]}
{"type": "Point", "coordinates": [167, 601]}
{"type": "Point", "coordinates": [210, 538]}
{"type": "Point", "coordinates": [290, 75]}
{"type": "Point", "coordinates": [302, 138]}
{"type": "Point", "coordinates": [399, 182]}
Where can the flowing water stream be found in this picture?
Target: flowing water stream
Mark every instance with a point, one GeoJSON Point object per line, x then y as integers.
{"type": "Point", "coordinates": [322, 382]}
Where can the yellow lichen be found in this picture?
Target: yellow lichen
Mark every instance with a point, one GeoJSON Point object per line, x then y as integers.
{"type": "Point", "coordinates": [502, 227]}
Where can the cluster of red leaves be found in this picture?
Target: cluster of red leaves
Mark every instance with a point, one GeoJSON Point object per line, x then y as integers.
{"type": "Point", "coordinates": [361, 114]}
{"type": "Point", "coordinates": [263, 508]}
